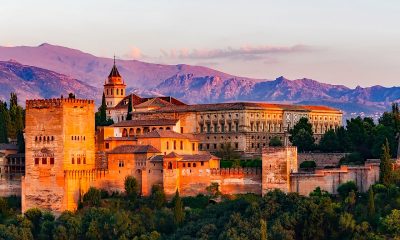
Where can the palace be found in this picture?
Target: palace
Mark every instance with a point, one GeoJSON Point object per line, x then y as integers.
{"type": "Point", "coordinates": [246, 126]}
{"type": "Point", "coordinates": [170, 144]}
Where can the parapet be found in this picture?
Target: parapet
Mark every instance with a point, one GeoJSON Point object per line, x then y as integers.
{"type": "Point", "coordinates": [55, 102]}
{"type": "Point", "coordinates": [236, 171]}
{"type": "Point", "coordinates": [278, 149]}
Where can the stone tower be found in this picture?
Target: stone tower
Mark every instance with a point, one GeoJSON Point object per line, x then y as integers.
{"type": "Point", "coordinates": [114, 88]}
{"type": "Point", "coordinates": [59, 136]}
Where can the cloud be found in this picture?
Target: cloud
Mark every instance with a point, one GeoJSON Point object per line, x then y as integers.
{"type": "Point", "coordinates": [134, 53]}
{"type": "Point", "coordinates": [243, 53]}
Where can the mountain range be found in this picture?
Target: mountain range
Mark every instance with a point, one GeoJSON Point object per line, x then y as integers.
{"type": "Point", "coordinates": [48, 70]}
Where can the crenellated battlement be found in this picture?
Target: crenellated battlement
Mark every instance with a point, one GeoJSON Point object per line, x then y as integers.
{"type": "Point", "coordinates": [278, 149]}
{"type": "Point", "coordinates": [236, 171]}
{"type": "Point", "coordinates": [55, 102]}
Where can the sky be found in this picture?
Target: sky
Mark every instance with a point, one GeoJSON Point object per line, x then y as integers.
{"type": "Point", "coordinates": [349, 42]}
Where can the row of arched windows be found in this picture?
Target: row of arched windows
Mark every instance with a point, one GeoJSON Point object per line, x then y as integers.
{"type": "Point", "coordinates": [118, 92]}
{"type": "Point", "coordinates": [133, 132]}
{"type": "Point", "coordinates": [78, 138]}
{"type": "Point", "coordinates": [44, 161]}
{"type": "Point", "coordinates": [78, 159]}
{"type": "Point", "coordinates": [44, 138]}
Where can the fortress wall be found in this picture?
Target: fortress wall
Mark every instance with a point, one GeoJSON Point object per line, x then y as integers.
{"type": "Point", "coordinates": [238, 180]}
{"type": "Point", "coordinates": [330, 179]}
{"type": "Point", "coordinates": [10, 187]}
{"type": "Point", "coordinates": [321, 159]}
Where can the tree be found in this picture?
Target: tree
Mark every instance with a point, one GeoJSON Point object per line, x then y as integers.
{"type": "Point", "coordinates": [308, 165]}
{"type": "Point", "coordinates": [329, 142]}
{"type": "Point", "coordinates": [92, 197]}
{"type": "Point", "coordinates": [301, 135]}
{"type": "Point", "coordinates": [228, 153]}
{"type": "Point", "coordinates": [179, 214]}
{"type": "Point", "coordinates": [131, 188]}
{"type": "Point", "coordinates": [345, 188]}
{"type": "Point", "coordinates": [101, 114]}
{"type": "Point", "coordinates": [371, 204]}
{"type": "Point", "coordinates": [157, 197]}
{"type": "Point", "coordinates": [392, 222]}
{"type": "Point", "coordinates": [263, 229]}
{"type": "Point", "coordinates": [16, 114]}
{"type": "Point", "coordinates": [386, 166]}
{"type": "Point", "coordinates": [275, 142]}
{"type": "Point", "coordinates": [4, 119]}
{"type": "Point", "coordinates": [129, 114]}
{"type": "Point", "coordinates": [20, 142]}
{"type": "Point", "coordinates": [213, 190]}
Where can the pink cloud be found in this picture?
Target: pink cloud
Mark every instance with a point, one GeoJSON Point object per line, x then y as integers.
{"type": "Point", "coordinates": [245, 52]}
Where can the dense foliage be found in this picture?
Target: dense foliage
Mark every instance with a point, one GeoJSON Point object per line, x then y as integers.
{"type": "Point", "coordinates": [101, 114]}
{"type": "Point", "coordinates": [12, 121]}
{"type": "Point", "coordinates": [362, 137]}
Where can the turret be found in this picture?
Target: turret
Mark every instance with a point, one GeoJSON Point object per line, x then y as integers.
{"type": "Point", "coordinates": [114, 87]}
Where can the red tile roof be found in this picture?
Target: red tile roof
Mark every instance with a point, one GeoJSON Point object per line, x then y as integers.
{"type": "Point", "coordinates": [168, 134]}
{"type": "Point", "coordinates": [155, 122]}
{"type": "Point", "coordinates": [132, 149]}
{"type": "Point", "coordinates": [186, 157]}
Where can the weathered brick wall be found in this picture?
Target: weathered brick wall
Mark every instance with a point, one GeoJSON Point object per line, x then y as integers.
{"type": "Point", "coordinates": [238, 181]}
{"type": "Point", "coordinates": [277, 164]}
{"type": "Point", "coordinates": [10, 187]}
{"type": "Point", "coordinates": [329, 179]}
{"type": "Point", "coordinates": [321, 159]}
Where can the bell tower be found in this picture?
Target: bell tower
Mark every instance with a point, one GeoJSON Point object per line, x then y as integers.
{"type": "Point", "coordinates": [114, 87]}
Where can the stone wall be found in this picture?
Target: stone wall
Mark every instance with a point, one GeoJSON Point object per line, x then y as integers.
{"type": "Point", "coordinates": [10, 187]}
{"type": "Point", "coordinates": [238, 180]}
{"type": "Point", "coordinates": [321, 159]}
{"type": "Point", "coordinates": [329, 179]}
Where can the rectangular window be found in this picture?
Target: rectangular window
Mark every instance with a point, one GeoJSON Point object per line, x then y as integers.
{"type": "Point", "coordinates": [208, 127]}
{"type": "Point", "coordinates": [237, 127]}
{"type": "Point", "coordinates": [78, 161]}
{"type": "Point", "coordinates": [84, 160]}
{"type": "Point", "coordinates": [208, 146]}
{"type": "Point", "coordinates": [236, 145]}
{"type": "Point", "coordinates": [107, 145]}
{"type": "Point", "coordinates": [215, 146]}
{"type": "Point", "coordinates": [36, 161]}
{"type": "Point", "coordinates": [230, 127]}
{"type": "Point", "coordinates": [181, 129]}
{"type": "Point", "coordinates": [52, 161]}
{"type": "Point", "coordinates": [222, 127]}
{"type": "Point", "coordinates": [174, 145]}
{"type": "Point", "coordinates": [44, 160]}
{"type": "Point", "coordinates": [121, 163]}
{"type": "Point", "coordinates": [167, 145]}
{"type": "Point", "coordinates": [181, 145]}
{"type": "Point", "coordinates": [200, 146]}
{"type": "Point", "coordinates": [193, 147]}
{"type": "Point", "coordinates": [201, 128]}
{"type": "Point", "coordinates": [215, 127]}
{"type": "Point", "coordinates": [202, 163]}
{"type": "Point", "coordinates": [73, 160]}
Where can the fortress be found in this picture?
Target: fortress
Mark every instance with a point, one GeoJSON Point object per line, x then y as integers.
{"type": "Point", "coordinates": [167, 143]}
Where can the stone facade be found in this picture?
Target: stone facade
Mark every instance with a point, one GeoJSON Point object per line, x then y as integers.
{"type": "Point", "coordinates": [59, 142]}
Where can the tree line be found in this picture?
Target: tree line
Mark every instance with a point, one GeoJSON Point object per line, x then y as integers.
{"type": "Point", "coordinates": [361, 136]}
{"type": "Point", "coordinates": [12, 121]}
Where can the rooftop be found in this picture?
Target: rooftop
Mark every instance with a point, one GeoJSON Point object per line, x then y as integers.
{"type": "Point", "coordinates": [155, 122]}
{"type": "Point", "coordinates": [168, 134]}
{"type": "Point", "coordinates": [129, 149]}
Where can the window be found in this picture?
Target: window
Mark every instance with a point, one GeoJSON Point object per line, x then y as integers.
{"type": "Point", "coordinates": [184, 164]}
{"type": "Point", "coordinates": [52, 161]}
{"type": "Point", "coordinates": [121, 163]}
{"type": "Point", "coordinates": [117, 91]}
{"type": "Point", "coordinates": [202, 163]}
{"type": "Point", "coordinates": [84, 160]}
{"type": "Point", "coordinates": [194, 164]}
{"type": "Point", "coordinates": [122, 91]}
{"type": "Point", "coordinates": [73, 160]}
{"type": "Point", "coordinates": [230, 127]}
{"type": "Point", "coordinates": [208, 127]}
{"type": "Point", "coordinates": [169, 165]}
{"type": "Point", "coordinates": [201, 128]}
{"type": "Point", "coordinates": [193, 147]}
{"type": "Point", "coordinates": [78, 161]}
{"type": "Point", "coordinates": [167, 145]}
{"type": "Point", "coordinates": [215, 127]}
{"type": "Point", "coordinates": [236, 145]}
{"type": "Point", "coordinates": [174, 144]}
{"type": "Point", "coordinates": [189, 165]}
{"type": "Point", "coordinates": [52, 138]}
{"type": "Point", "coordinates": [215, 146]}
{"type": "Point", "coordinates": [208, 146]}
{"type": "Point", "coordinates": [36, 138]}
{"type": "Point", "coordinates": [237, 127]}
{"type": "Point", "coordinates": [181, 145]}
{"type": "Point", "coordinates": [44, 160]}
{"type": "Point", "coordinates": [181, 129]}
{"type": "Point", "coordinates": [200, 146]}
{"type": "Point", "coordinates": [107, 145]}
{"type": "Point", "coordinates": [107, 92]}
{"type": "Point", "coordinates": [36, 161]}
{"type": "Point", "coordinates": [222, 127]}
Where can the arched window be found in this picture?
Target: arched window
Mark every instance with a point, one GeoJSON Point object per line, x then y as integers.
{"type": "Point", "coordinates": [169, 165]}
{"type": "Point", "coordinates": [40, 138]}
{"type": "Point", "coordinates": [189, 165]}
{"type": "Point", "coordinates": [122, 91]}
{"type": "Point", "coordinates": [36, 138]}
{"type": "Point", "coordinates": [161, 128]}
{"type": "Point", "coordinates": [138, 131]}
{"type": "Point", "coordinates": [131, 132]}
{"type": "Point", "coordinates": [125, 133]}
{"type": "Point", "coordinates": [194, 164]}
{"type": "Point", "coordinates": [153, 129]}
{"type": "Point", "coordinates": [52, 138]}
{"type": "Point", "coordinates": [168, 128]}
{"type": "Point", "coordinates": [107, 92]}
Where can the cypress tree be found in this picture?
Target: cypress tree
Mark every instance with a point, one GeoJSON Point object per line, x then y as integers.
{"type": "Point", "coordinates": [20, 142]}
{"type": "Point", "coordinates": [103, 109]}
{"type": "Point", "coordinates": [371, 204]}
{"type": "Point", "coordinates": [129, 115]}
{"type": "Point", "coordinates": [263, 229]}
{"type": "Point", "coordinates": [178, 209]}
{"type": "Point", "coordinates": [3, 123]}
{"type": "Point", "coordinates": [386, 167]}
